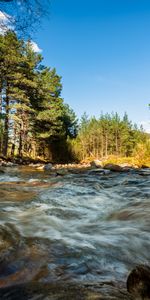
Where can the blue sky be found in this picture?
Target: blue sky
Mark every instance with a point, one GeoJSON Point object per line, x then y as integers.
{"type": "Point", "coordinates": [101, 48]}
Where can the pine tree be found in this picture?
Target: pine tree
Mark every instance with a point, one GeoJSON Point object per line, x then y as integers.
{"type": "Point", "coordinates": [108, 135]}
{"type": "Point", "coordinates": [10, 50]}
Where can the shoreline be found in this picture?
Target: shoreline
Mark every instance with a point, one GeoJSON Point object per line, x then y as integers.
{"type": "Point", "coordinates": [65, 168]}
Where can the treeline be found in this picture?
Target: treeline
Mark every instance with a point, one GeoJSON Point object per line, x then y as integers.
{"type": "Point", "coordinates": [107, 135]}
{"type": "Point", "coordinates": [36, 123]}
{"type": "Point", "coordinates": [34, 120]}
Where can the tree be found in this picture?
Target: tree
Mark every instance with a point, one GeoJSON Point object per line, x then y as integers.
{"type": "Point", "coordinates": [70, 122]}
{"type": "Point", "coordinates": [23, 15]}
{"type": "Point", "coordinates": [108, 135]}
{"type": "Point", "coordinates": [10, 50]}
{"type": "Point", "coordinates": [34, 112]}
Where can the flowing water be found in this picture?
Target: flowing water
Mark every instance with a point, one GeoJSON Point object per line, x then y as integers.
{"type": "Point", "coordinates": [72, 237]}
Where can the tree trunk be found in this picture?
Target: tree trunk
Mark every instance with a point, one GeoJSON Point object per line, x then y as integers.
{"type": "Point", "coordinates": [12, 150]}
{"type": "Point", "coordinates": [116, 142]}
{"type": "Point", "coordinates": [106, 144]}
{"type": "Point", "coordinates": [6, 125]}
{"type": "Point", "coordinates": [102, 146]}
{"type": "Point", "coordinates": [20, 140]}
{"type": "Point", "coordinates": [1, 126]}
{"type": "Point", "coordinates": [13, 143]}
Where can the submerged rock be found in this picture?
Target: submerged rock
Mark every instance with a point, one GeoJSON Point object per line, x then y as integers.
{"type": "Point", "coordinates": [138, 282]}
{"type": "Point", "coordinates": [99, 171]}
{"type": "Point", "coordinates": [113, 167]}
{"type": "Point", "coordinates": [62, 172]}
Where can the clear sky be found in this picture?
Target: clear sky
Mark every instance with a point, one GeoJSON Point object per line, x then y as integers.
{"type": "Point", "coordinates": [101, 48]}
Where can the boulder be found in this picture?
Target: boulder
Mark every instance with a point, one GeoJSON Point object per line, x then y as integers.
{"type": "Point", "coordinates": [138, 282]}
{"type": "Point", "coordinates": [113, 167]}
{"type": "Point", "coordinates": [96, 163]}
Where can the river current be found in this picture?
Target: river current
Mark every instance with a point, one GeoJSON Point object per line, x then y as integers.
{"type": "Point", "coordinates": [72, 237]}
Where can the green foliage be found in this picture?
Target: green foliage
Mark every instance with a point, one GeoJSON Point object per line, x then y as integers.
{"type": "Point", "coordinates": [108, 135]}
{"type": "Point", "coordinates": [70, 122]}
{"type": "Point", "coordinates": [27, 15]}
{"type": "Point", "coordinates": [142, 152]}
{"type": "Point", "coordinates": [34, 114]}
{"type": "Point", "coordinates": [35, 121]}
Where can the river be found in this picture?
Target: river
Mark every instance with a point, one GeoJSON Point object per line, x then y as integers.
{"type": "Point", "coordinates": [72, 237]}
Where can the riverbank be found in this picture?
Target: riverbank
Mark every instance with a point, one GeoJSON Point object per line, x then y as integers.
{"type": "Point", "coordinates": [111, 164]}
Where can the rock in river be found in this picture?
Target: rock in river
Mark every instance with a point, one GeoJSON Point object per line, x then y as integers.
{"type": "Point", "coordinates": [113, 167]}
{"type": "Point", "coordinates": [96, 163]}
{"type": "Point", "coordinates": [138, 282]}
{"type": "Point", "coordinates": [62, 172]}
{"type": "Point", "coordinates": [48, 167]}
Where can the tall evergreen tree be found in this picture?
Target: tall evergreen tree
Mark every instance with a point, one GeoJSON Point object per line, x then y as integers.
{"type": "Point", "coordinates": [33, 114]}
{"type": "Point", "coordinates": [10, 53]}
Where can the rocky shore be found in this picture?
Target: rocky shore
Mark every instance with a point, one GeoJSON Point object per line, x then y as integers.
{"type": "Point", "coordinates": [63, 169]}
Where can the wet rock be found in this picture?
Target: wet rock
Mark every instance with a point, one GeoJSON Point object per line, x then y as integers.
{"type": "Point", "coordinates": [138, 282]}
{"type": "Point", "coordinates": [99, 171]}
{"type": "Point", "coordinates": [144, 172]}
{"type": "Point", "coordinates": [127, 166]}
{"type": "Point", "coordinates": [62, 172]}
{"type": "Point", "coordinates": [35, 165]}
{"type": "Point", "coordinates": [11, 164]}
{"type": "Point", "coordinates": [48, 167]}
{"type": "Point", "coordinates": [96, 163]}
{"type": "Point", "coordinates": [77, 170]}
{"type": "Point", "coordinates": [135, 167]}
{"type": "Point", "coordinates": [113, 167]}
{"type": "Point", "coordinates": [145, 167]}
{"type": "Point", "coordinates": [3, 163]}
{"type": "Point", "coordinates": [7, 164]}
{"type": "Point", "coordinates": [62, 291]}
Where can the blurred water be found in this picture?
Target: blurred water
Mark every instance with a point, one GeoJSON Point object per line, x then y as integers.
{"type": "Point", "coordinates": [86, 229]}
